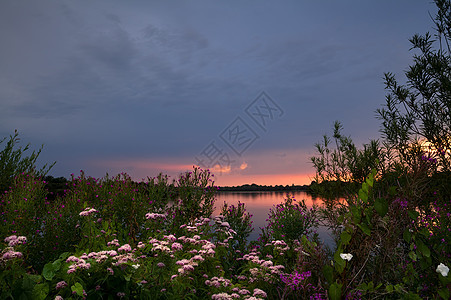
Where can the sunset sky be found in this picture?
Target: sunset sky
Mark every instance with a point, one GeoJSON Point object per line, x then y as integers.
{"type": "Point", "coordinates": [244, 88]}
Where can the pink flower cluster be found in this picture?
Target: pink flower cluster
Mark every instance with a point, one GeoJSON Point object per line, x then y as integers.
{"type": "Point", "coordinates": [88, 211]}
{"type": "Point", "coordinates": [78, 263]}
{"type": "Point", "coordinates": [125, 248]}
{"type": "Point", "coordinates": [9, 253]}
{"type": "Point", "coordinates": [61, 285]}
{"type": "Point", "coordinates": [14, 240]}
{"type": "Point", "coordinates": [155, 216]}
{"type": "Point", "coordinates": [265, 269]}
{"type": "Point", "coordinates": [237, 293]}
{"type": "Point", "coordinates": [218, 282]}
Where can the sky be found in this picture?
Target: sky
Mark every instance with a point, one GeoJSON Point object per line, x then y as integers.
{"type": "Point", "coordinates": [243, 88]}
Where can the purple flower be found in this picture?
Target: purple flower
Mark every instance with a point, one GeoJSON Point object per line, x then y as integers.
{"type": "Point", "coordinates": [60, 285]}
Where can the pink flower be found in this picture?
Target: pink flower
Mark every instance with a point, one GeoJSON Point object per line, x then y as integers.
{"type": "Point", "coordinates": [176, 246]}
{"type": "Point", "coordinates": [61, 285]}
{"type": "Point", "coordinates": [125, 248]}
{"type": "Point", "coordinates": [88, 211]}
{"type": "Point", "coordinates": [259, 293]}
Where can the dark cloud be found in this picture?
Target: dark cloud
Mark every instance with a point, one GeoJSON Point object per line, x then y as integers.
{"type": "Point", "coordinates": [148, 80]}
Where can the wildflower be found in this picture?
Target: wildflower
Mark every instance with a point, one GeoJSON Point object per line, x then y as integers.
{"type": "Point", "coordinates": [88, 211]}
{"type": "Point", "coordinates": [243, 292]}
{"type": "Point", "coordinates": [114, 242]}
{"type": "Point", "coordinates": [125, 248]}
{"type": "Point", "coordinates": [176, 246]}
{"type": "Point", "coordinates": [15, 240]}
{"type": "Point", "coordinates": [259, 293]}
{"type": "Point", "coordinates": [61, 285]}
{"type": "Point", "coordinates": [135, 266]}
{"type": "Point", "coordinates": [10, 254]}
{"type": "Point", "coordinates": [221, 296]}
{"type": "Point", "coordinates": [161, 265]}
{"type": "Point", "coordinates": [59, 297]}
{"type": "Point", "coordinates": [346, 256]}
{"type": "Point", "coordinates": [120, 294]}
{"type": "Point", "coordinates": [442, 269]}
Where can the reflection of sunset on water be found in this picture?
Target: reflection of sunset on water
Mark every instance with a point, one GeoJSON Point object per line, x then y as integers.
{"type": "Point", "coordinates": [259, 203]}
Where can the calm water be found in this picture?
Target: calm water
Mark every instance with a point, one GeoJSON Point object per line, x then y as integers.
{"type": "Point", "coordinates": [259, 203]}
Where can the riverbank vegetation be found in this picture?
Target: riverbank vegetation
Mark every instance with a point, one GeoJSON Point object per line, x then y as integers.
{"type": "Point", "coordinates": [387, 204]}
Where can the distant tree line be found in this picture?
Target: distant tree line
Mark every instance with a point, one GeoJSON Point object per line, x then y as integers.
{"type": "Point", "coordinates": [256, 187]}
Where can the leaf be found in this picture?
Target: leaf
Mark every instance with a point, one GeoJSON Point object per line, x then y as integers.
{"type": "Point", "coordinates": [413, 256]}
{"type": "Point", "coordinates": [48, 273]}
{"type": "Point", "coordinates": [365, 187]}
{"type": "Point", "coordinates": [407, 235]}
{"type": "Point", "coordinates": [381, 206]}
{"type": "Point", "coordinates": [389, 288]}
{"type": "Point", "coordinates": [363, 196]}
{"type": "Point", "coordinates": [364, 228]}
{"type": "Point", "coordinates": [345, 238]}
{"type": "Point", "coordinates": [444, 293]}
{"type": "Point", "coordinates": [340, 264]}
{"type": "Point", "coordinates": [355, 214]}
{"type": "Point", "coordinates": [413, 214]}
{"type": "Point", "coordinates": [40, 291]}
{"type": "Point", "coordinates": [328, 272]}
{"type": "Point", "coordinates": [50, 269]}
{"type": "Point", "coordinates": [423, 248]}
{"type": "Point", "coordinates": [335, 291]}
{"type": "Point", "coordinates": [77, 288]}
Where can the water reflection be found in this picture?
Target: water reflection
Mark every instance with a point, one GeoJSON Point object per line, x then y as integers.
{"type": "Point", "coordinates": [259, 203]}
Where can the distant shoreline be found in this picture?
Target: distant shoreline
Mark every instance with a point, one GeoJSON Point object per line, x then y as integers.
{"type": "Point", "coordinates": [263, 188]}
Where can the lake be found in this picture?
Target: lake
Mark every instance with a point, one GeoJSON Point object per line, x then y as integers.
{"type": "Point", "coordinates": [259, 203]}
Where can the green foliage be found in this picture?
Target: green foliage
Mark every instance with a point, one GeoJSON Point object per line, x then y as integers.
{"type": "Point", "coordinates": [421, 108]}
{"type": "Point", "coordinates": [289, 221]}
{"type": "Point", "coordinates": [341, 169]}
{"type": "Point", "coordinates": [13, 163]}
{"type": "Point", "coordinates": [195, 196]}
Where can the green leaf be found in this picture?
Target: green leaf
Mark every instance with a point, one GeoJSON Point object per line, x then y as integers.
{"type": "Point", "coordinates": [335, 291]}
{"type": "Point", "coordinates": [444, 293]}
{"type": "Point", "coordinates": [381, 206]}
{"type": "Point", "coordinates": [355, 214]}
{"type": "Point", "coordinates": [363, 196]}
{"type": "Point", "coordinates": [50, 269]}
{"type": "Point", "coordinates": [48, 273]}
{"type": "Point", "coordinates": [365, 187]}
{"type": "Point", "coordinates": [413, 214]}
{"type": "Point", "coordinates": [392, 191]}
{"type": "Point", "coordinates": [340, 264]}
{"type": "Point", "coordinates": [328, 272]}
{"type": "Point", "coordinates": [389, 288]}
{"type": "Point", "coordinates": [364, 228]}
{"type": "Point", "coordinates": [398, 288]}
{"type": "Point", "coordinates": [407, 235]}
{"type": "Point", "coordinates": [423, 248]}
{"type": "Point", "coordinates": [40, 291]}
{"type": "Point", "coordinates": [413, 256]}
{"type": "Point", "coordinates": [77, 288]}
{"type": "Point", "coordinates": [345, 238]}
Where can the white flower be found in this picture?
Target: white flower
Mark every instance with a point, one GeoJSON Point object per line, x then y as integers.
{"type": "Point", "coordinates": [135, 266]}
{"type": "Point", "coordinates": [346, 256]}
{"type": "Point", "coordinates": [442, 269]}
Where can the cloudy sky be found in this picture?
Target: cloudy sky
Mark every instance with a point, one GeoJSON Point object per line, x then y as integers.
{"type": "Point", "coordinates": [244, 88]}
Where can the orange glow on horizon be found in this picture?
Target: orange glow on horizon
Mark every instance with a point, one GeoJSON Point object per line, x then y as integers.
{"type": "Point", "coordinates": [263, 179]}
{"type": "Point", "coordinates": [140, 169]}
